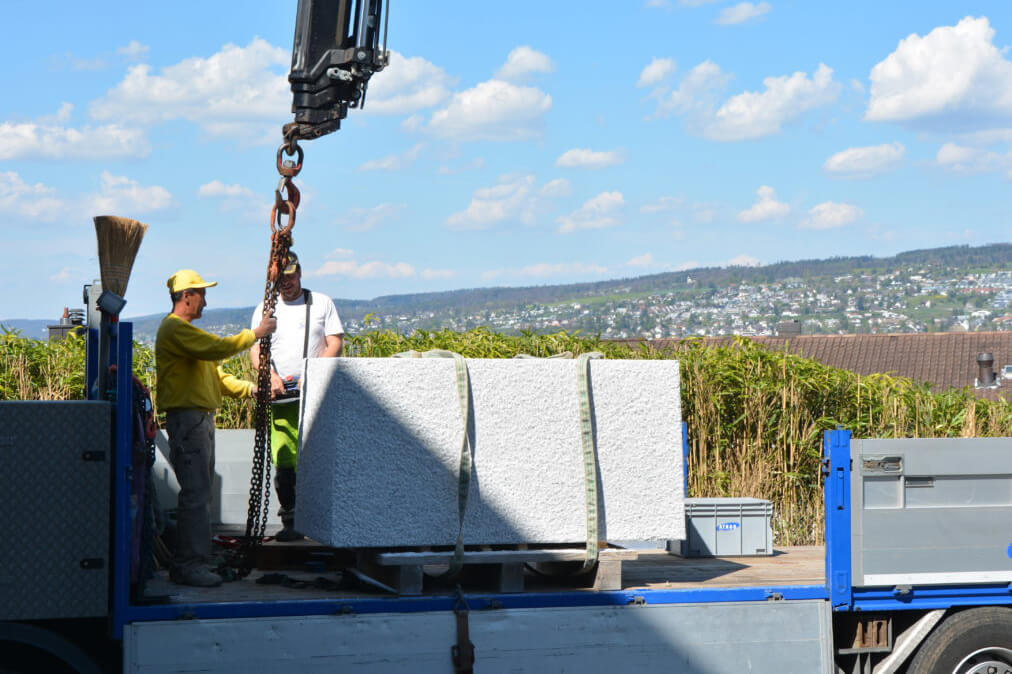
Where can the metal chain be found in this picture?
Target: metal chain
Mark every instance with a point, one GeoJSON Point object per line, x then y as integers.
{"type": "Point", "coordinates": [286, 201]}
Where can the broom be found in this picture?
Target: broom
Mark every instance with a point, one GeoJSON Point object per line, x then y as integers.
{"type": "Point", "coordinates": [118, 241]}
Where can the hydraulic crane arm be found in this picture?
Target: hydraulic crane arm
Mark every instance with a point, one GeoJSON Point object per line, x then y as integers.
{"type": "Point", "coordinates": [336, 50]}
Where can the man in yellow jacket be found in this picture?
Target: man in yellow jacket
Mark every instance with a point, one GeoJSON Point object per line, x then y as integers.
{"type": "Point", "coordinates": [190, 386]}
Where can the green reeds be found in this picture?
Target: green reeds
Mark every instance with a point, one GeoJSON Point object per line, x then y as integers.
{"type": "Point", "coordinates": [755, 416]}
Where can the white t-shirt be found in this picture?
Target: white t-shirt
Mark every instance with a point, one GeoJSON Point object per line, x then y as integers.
{"type": "Point", "coordinates": [287, 341]}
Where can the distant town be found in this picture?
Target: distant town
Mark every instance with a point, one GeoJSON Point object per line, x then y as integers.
{"type": "Point", "coordinates": [958, 288]}
{"type": "Point", "coordinates": [911, 300]}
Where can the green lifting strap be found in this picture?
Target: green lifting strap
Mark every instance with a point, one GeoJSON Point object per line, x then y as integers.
{"type": "Point", "coordinates": [589, 444]}
{"type": "Point", "coordinates": [464, 470]}
{"type": "Point", "coordinates": [564, 354]}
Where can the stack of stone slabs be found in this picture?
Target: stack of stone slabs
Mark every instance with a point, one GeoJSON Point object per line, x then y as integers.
{"type": "Point", "coordinates": [380, 445]}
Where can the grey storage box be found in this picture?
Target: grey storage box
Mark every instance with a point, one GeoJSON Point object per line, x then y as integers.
{"type": "Point", "coordinates": [726, 527]}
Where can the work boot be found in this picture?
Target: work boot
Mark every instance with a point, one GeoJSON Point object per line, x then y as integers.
{"type": "Point", "coordinates": [288, 532]}
{"type": "Point", "coordinates": [196, 576]}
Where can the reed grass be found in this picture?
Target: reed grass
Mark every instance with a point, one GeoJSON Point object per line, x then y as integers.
{"type": "Point", "coordinates": [755, 416]}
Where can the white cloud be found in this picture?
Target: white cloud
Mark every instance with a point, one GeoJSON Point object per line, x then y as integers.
{"type": "Point", "coordinates": [492, 110]}
{"type": "Point", "coordinates": [865, 161]}
{"type": "Point", "coordinates": [953, 79]}
{"type": "Point", "coordinates": [133, 51]}
{"type": "Point", "coordinates": [767, 208]}
{"type": "Point", "coordinates": [830, 214]}
{"type": "Point", "coordinates": [49, 138]}
{"type": "Point", "coordinates": [756, 114]}
{"type": "Point", "coordinates": [584, 158]}
{"type": "Point", "coordinates": [512, 199]}
{"type": "Point", "coordinates": [430, 274]}
{"type": "Point", "coordinates": [364, 270]}
{"type": "Point", "coordinates": [366, 219]}
{"type": "Point", "coordinates": [658, 4]}
{"type": "Point", "coordinates": [523, 61]}
{"type": "Point", "coordinates": [234, 93]}
{"type": "Point", "coordinates": [86, 65]}
{"type": "Point", "coordinates": [703, 214]}
{"type": "Point", "coordinates": [216, 188]}
{"type": "Point", "coordinates": [655, 71]}
{"type": "Point", "coordinates": [743, 260]}
{"type": "Point", "coordinates": [750, 114]}
{"type": "Point", "coordinates": [559, 187]}
{"type": "Point", "coordinates": [31, 201]}
{"type": "Point", "coordinates": [687, 265]}
{"type": "Point", "coordinates": [696, 93]}
{"type": "Point", "coordinates": [662, 205]}
{"type": "Point", "coordinates": [351, 268]}
{"type": "Point", "coordinates": [407, 84]}
{"type": "Point", "coordinates": [120, 195]}
{"type": "Point", "coordinates": [596, 213]}
{"type": "Point", "coordinates": [62, 275]}
{"type": "Point", "coordinates": [962, 159]}
{"type": "Point", "coordinates": [237, 198]}
{"type": "Point", "coordinates": [392, 162]}
{"type": "Point", "coordinates": [545, 269]}
{"type": "Point", "coordinates": [475, 164]}
{"type": "Point", "coordinates": [645, 260]}
{"type": "Point", "coordinates": [742, 12]}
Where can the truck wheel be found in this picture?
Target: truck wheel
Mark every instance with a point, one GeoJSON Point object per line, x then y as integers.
{"type": "Point", "coordinates": [28, 648]}
{"type": "Point", "coordinates": [975, 641]}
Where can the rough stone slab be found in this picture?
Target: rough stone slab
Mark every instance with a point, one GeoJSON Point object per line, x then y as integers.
{"type": "Point", "coordinates": [380, 444]}
{"type": "Point", "coordinates": [233, 450]}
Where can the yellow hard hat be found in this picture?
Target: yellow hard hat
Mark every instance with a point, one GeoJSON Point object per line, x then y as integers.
{"type": "Point", "coordinates": [184, 279]}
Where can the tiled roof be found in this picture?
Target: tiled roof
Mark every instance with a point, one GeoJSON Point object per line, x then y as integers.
{"type": "Point", "coordinates": [944, 359]}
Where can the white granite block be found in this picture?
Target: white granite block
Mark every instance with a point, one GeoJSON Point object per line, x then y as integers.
{"type": "Point", "coordinates": [380, 444]}
{"type": "Point", "coordinates": [233, 449]}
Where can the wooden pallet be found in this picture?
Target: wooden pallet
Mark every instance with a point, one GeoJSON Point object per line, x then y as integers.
{"type": "Point", "coordinates": [505, 570]}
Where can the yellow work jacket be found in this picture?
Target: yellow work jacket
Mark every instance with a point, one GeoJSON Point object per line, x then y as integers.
{"type": "Point", "coordinates": [186, 359]}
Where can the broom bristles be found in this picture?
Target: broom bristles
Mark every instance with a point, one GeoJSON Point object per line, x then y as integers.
{"type": "Point", "coordinates": [118, 241]}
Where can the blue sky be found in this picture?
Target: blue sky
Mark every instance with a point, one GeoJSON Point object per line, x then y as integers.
{"type": "Point", "coordinates": [518, 143]}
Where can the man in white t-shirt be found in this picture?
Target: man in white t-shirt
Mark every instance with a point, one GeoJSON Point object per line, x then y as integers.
{"type": "Point", "coordinates": [308, 327]}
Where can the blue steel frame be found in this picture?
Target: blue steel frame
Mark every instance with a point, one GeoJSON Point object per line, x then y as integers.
{"type": "Point", "coordinates": [838, 589]}
{"type": "Point", "coordinates": [837, 467]}
{"type": "Point", "coordinates": [120, 393]}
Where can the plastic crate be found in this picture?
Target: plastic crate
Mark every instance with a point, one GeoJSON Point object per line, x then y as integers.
{"type": "Point", "coordinates": [726, 527]}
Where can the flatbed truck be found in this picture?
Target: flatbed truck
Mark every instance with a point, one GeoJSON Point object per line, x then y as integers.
{"type": "Point", "coordinates": [915, 576]}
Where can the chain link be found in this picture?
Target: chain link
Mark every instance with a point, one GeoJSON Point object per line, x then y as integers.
{"type": "Point", "coordinates": [286, 201]}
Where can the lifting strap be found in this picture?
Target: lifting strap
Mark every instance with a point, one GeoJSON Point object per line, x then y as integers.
{"type": "Point", "coordinates": [462, 652]}
{"type": "Point", "coordinates": [464, 470]}
{"type": "Point", "coordinates": [308, 299]}
{"type": "Point", "coordinates": [588, 441]}
{"type": "Point", "coordinates": [588, 444]}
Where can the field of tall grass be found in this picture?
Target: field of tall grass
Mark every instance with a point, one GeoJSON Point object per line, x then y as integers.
{"type": "Point", "coordinates": [755, 416]}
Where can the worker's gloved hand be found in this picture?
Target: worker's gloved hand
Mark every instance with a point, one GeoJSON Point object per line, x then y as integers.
{"type": "Point", "coordinates": [267, 327]}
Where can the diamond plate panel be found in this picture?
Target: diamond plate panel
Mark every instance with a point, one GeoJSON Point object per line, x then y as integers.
{"type": "Point", "coordinates": [56, 509]}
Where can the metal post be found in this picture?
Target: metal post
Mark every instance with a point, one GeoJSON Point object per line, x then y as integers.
{"type": "Point", "coordinates": [122, 466]}
{"type": "Point", "coordinates": [685, 460]}
{"type": "Point", "coordinates": [836, 494]}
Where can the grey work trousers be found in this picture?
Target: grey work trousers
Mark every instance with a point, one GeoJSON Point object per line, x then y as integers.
{"type": "Point", "coordinates": [191, 445]}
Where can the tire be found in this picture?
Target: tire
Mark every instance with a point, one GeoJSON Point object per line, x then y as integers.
{"type": "Point", "coordinates": [30, 649]}
{"type": "Point", "coordinates": [975, 641]}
